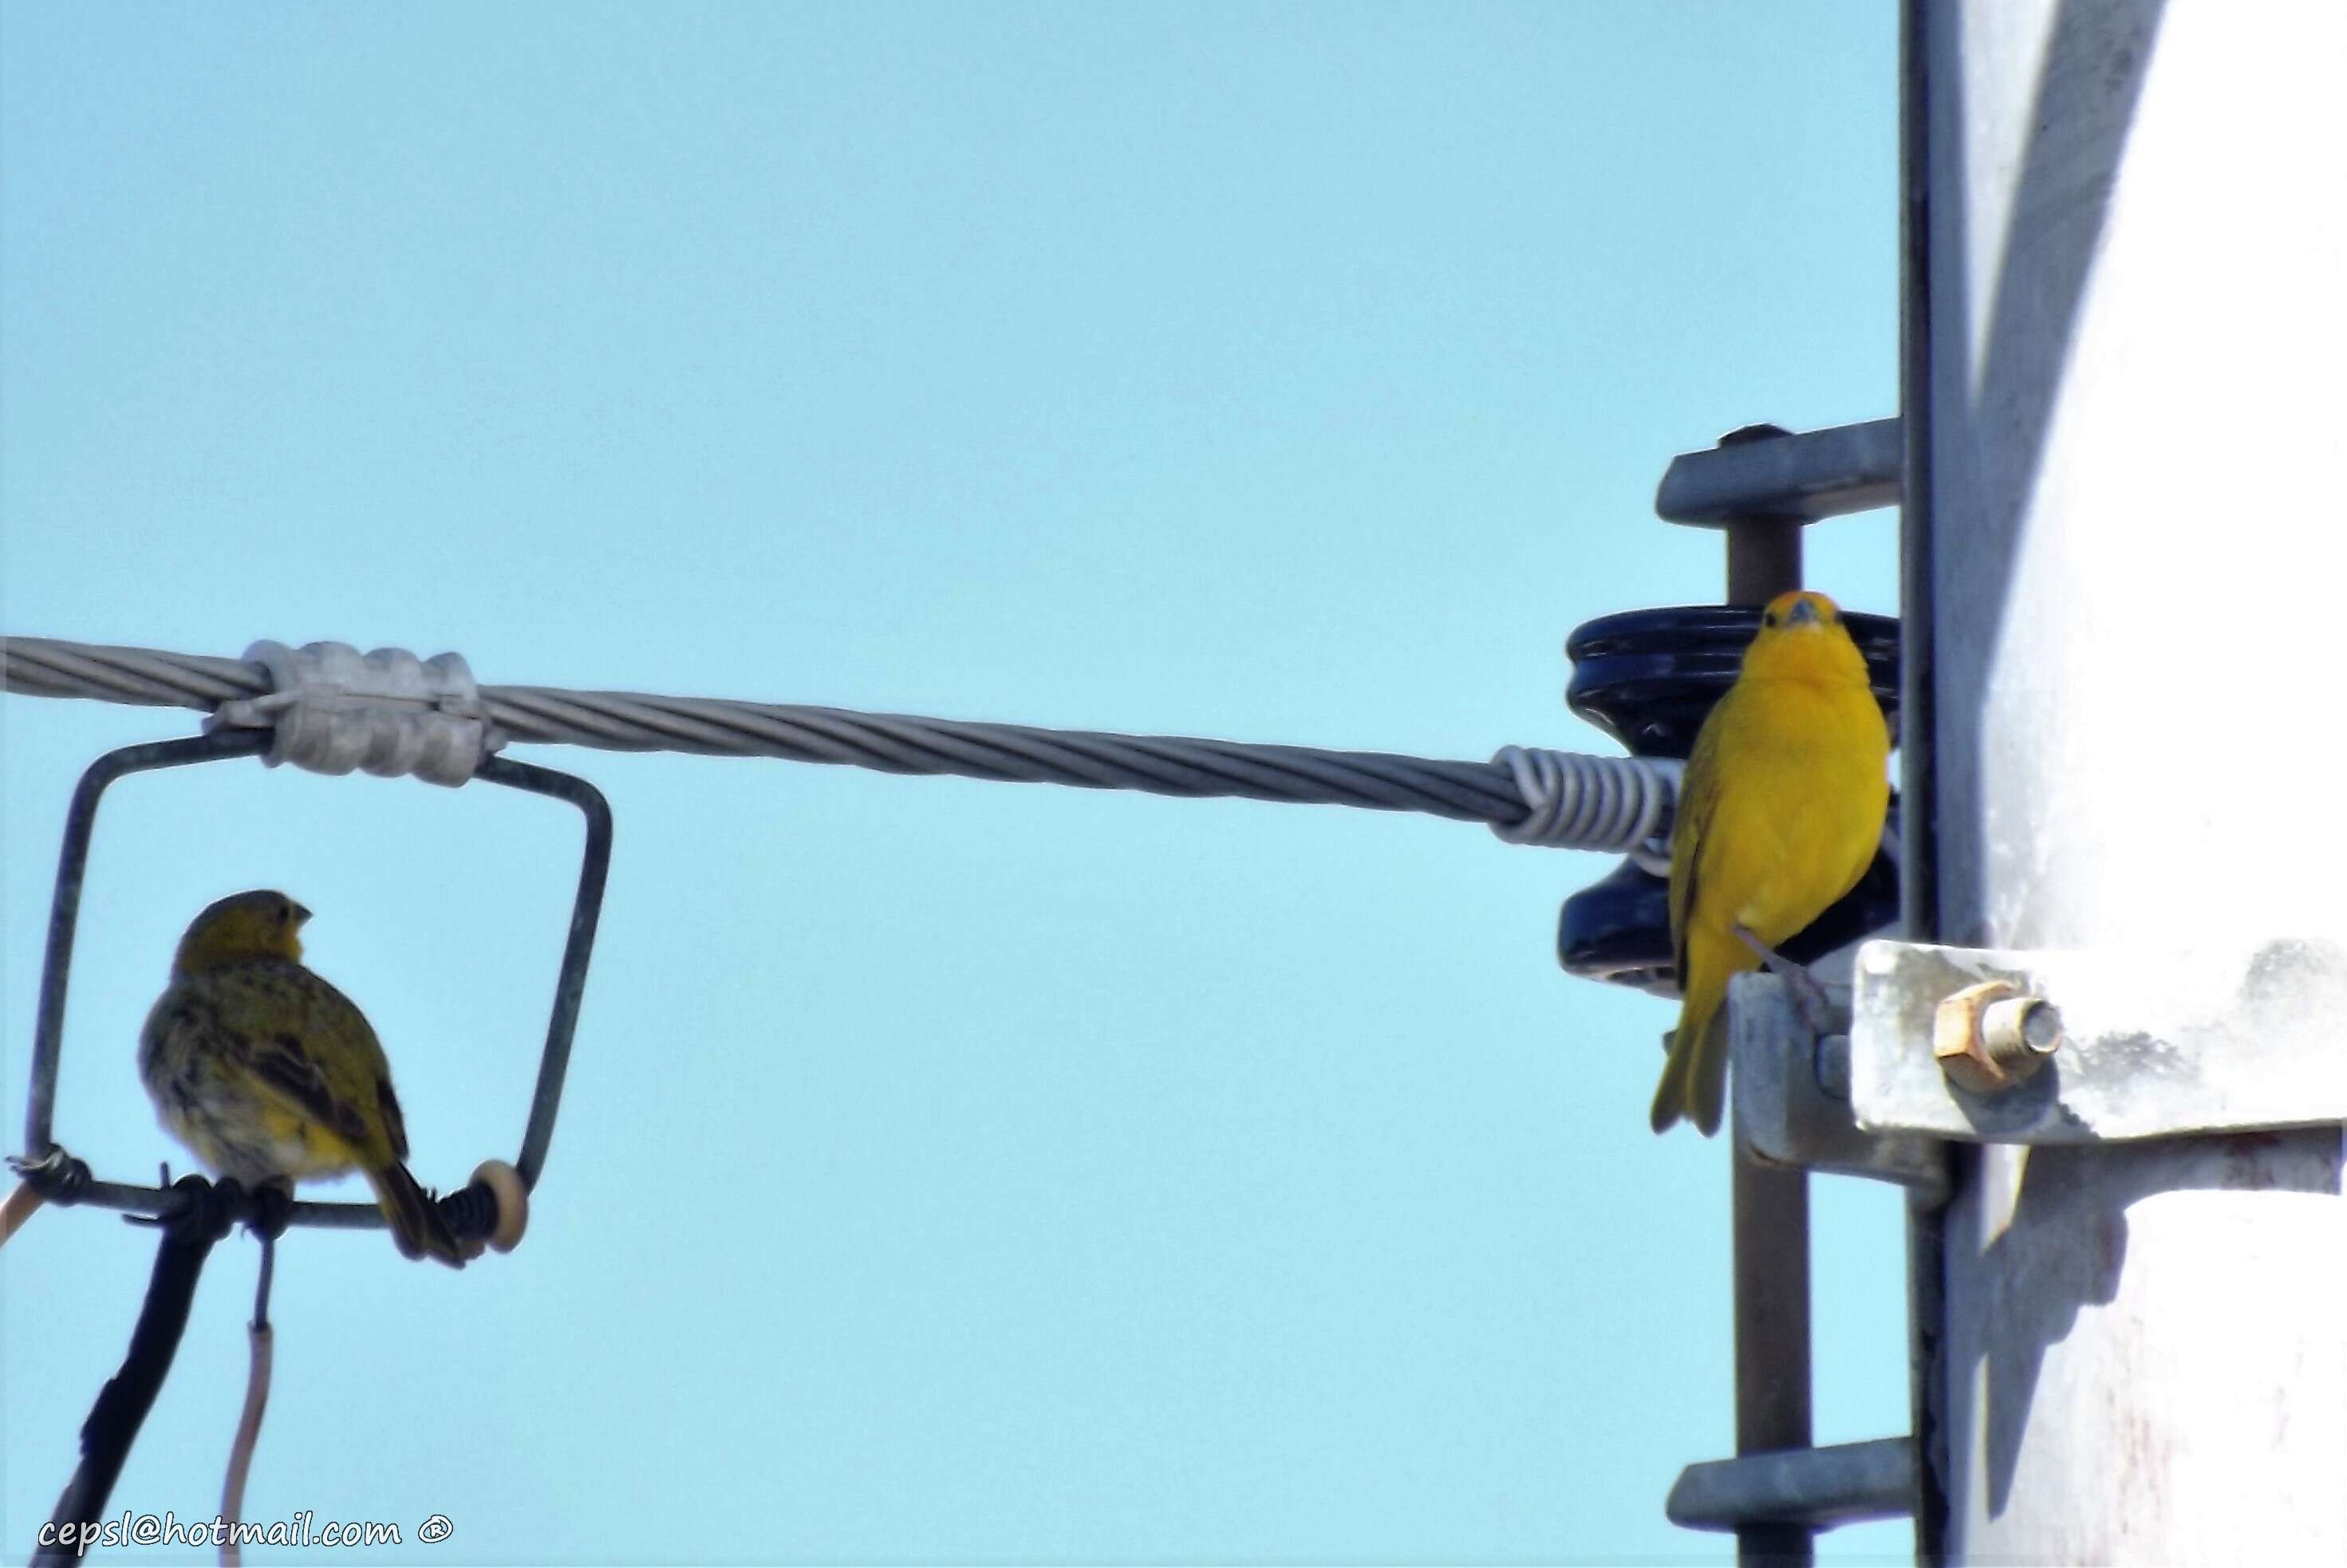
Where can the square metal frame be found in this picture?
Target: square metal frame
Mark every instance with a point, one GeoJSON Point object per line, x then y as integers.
{"type": "Point", "coordinates": [45, 1158]}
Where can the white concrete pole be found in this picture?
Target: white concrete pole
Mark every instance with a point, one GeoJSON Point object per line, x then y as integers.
{"type": "Point", "coordinates": [2137, 343]}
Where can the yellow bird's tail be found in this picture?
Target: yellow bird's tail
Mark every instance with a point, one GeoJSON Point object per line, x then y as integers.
{"type": "Point", "coordinates": [1694, 1079]}
{"type": "Point", "coordinates": [416, 1225]}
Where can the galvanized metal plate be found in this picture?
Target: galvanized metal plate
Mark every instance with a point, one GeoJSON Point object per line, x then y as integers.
{"type": "Point", "coordinates": [2155, 1043]}
{"type": "Point", "coordinates": [1810, 474]}
{"type": "Point", "coordinates": [1791, 1089]}
{"type": "Point", "coordinates": [1818, 1487]}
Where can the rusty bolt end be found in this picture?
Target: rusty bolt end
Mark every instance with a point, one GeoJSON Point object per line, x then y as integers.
{"type": "Point", "coordinates": [2020, 1032]}
{"type": "Point", "coordinates": [1990, 1037]}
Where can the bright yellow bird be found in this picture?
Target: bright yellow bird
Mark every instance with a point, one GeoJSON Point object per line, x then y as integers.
{"type": "Point", "coordinates": [270, 1074]}
{"type": "Point", "coordinates": [1779, 816]}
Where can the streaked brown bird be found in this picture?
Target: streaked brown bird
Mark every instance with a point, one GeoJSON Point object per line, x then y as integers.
{"type": "Point", "coordinates": [271, 1075]}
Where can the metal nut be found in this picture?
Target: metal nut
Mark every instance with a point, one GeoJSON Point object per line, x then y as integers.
{"type": "Point", "coordinates": [1989, 1037]}
{"type": "Point", "coordinates": [1829, 1064]}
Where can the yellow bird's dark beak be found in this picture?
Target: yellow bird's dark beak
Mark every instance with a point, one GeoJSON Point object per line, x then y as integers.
{"type": "Point", "coordinates": [301, 916]}
{"type": "Point", "coordinates": [1803, 612]}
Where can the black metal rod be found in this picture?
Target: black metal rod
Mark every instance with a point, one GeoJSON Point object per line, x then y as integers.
{"type": "Point", "coordinates": [471, 1211]}
{"type": "Point", "coordinates": [1919, 859]}
{"type": "Point", "coordinates": [570, 985]}
{"type": "Point", "coordinates": [1771, 1214]}
{"type": "Point", "coordinates": [65, 904]}
{"type": "Point", "coordinates": [1763, 551]}
{"type": "Point", "coordinates": [166, 1204]}
{"type": "Point", "coordinates": [122, 1405]}
{"type": "Point", "coordinates": [1769, 1204]}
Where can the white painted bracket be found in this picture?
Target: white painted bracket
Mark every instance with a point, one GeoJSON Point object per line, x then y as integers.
{"type": "Point", "coordinates": [2223, 1039]}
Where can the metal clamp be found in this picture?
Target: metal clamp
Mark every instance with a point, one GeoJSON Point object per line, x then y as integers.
{"type": "Point", "coordinates": [1771, 471]}
{"type": "Point", "coordinates": [2097, 1044]}
{"type": "Point", "coordinates": [1792, 1095]}
{"type": "Point", "coordinates": [1821, 1487]}
{"type": "Point", "coordinates": [64, 1179]}
{"type": "Point", "coordinates": [334, 710]}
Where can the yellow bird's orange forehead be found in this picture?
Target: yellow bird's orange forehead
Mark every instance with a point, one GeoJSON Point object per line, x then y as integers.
{"type": "Point", "coordinates": [1781, 608]}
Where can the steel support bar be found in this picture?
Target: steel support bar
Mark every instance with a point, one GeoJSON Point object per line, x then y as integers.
{"type": "Point", "coordinates": [1815, 1488]}
{"type": "Point", "coordinates": [1779, 474]}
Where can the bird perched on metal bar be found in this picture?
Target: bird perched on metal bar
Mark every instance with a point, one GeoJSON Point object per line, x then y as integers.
{"type": "Point", "coordinates": [271, 1075]}
{"type": "Point", "coordinates": [1780, 813]}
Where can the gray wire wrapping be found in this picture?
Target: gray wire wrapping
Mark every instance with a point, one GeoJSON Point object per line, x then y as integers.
{"type": "Point", "coordinates": [1620, 804]}
{"type": "Point", "coordinates": [1556, 799]}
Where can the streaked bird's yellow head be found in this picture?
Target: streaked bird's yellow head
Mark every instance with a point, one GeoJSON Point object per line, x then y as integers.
{"type": "Point", "coordinates": [1802, 637]}
{"type": "Point", "coordinates": [241, 928]}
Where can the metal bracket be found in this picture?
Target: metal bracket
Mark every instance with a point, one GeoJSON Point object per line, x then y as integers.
{"type": "Point", "coordinates": [1792, 1095]}
{"type": "Point", "coordinates": [1817, 474]}
{"type": "Point", "coordinates": [65, 1180]}
{"type": "Point", "coordinates": [2151, 1045]}
{"type": "Point", "coordinates": [1840, 1485]}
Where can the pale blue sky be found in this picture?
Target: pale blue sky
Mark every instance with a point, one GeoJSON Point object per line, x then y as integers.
{"type": "Point", "coordinates": [949, 1171]}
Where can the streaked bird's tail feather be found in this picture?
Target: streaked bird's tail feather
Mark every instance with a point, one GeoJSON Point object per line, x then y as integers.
{"type": "Point", "coordinates": [416, 1225]}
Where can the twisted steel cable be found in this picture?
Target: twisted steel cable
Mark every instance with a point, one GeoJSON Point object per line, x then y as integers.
{"type": "Point", "coordinates": [1526, 795]}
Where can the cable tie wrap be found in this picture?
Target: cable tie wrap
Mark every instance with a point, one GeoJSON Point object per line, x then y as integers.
{"type": "Point", "coordinates": [335, 711]}
{"type": "Point", "coordinates": [1609, 804]}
